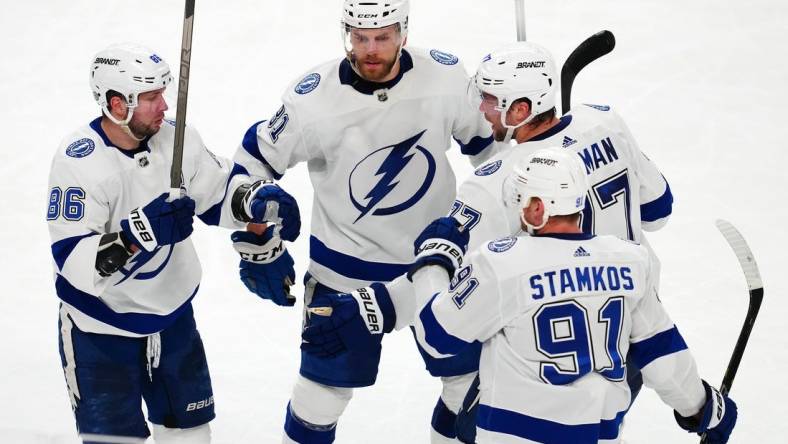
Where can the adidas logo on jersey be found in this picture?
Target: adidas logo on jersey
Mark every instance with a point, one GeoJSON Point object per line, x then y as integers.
{"type": "Point", "coordinates": [581, 252]}
{"type": "Point", "coordinates": [568, 141]}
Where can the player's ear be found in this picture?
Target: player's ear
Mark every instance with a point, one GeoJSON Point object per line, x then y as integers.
{"type": "Point", "coordinates": [537, 210]}
{"type": "Point", "coordinates": [521, 111]}
{"type": "Point", "coordinates": [117, 106]}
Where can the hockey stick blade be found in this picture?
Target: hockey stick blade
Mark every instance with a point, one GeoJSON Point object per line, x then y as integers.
{"type": "Point", "coordinates": [591, 49]}
{"type": "Point", "coordinates": [755, 285]}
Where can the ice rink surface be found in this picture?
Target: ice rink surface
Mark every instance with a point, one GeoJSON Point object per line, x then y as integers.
{"type": "Point", "coordinates": [702, 85]}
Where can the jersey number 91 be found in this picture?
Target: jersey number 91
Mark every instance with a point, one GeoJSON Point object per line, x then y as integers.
{"type": "Point", "coordinates": [563, 335]}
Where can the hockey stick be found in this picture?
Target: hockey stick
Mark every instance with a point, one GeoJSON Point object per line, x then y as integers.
{"type": "Point", "coordinates": [591, 49]}
{"type": "Point", "coordinates": [755, 285]}
{"type": "Point", "coordinates": [183, 94]}
{"type": "Point", "coordinates": [519, 15]}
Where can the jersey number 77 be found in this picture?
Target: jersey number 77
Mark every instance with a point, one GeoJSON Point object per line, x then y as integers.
{"type": "Point", "coordinates": [605, 203]}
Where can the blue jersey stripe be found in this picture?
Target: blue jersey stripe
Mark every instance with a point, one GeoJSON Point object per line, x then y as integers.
{"type": "Point", "coordinates": [436, 336]}
{"type": "Point", "coordinates": [657, 209]}
{"type": "Point", "coordinates": [212, 215]}
{"type": "Point", "coordinates": [475, 146]}
{"type": "Point", "coordinates": [62, 249]}
{"type": "Point", "coordinates": [353, 267]}
{"type": "Point", "coordinates": [139, 323]}
{"type": "Point", "coordinates": [542, 430]}
{"type": "Point", "coordinates": [662, 344]}
{"type": "Point", "coordinates": [251, 146]}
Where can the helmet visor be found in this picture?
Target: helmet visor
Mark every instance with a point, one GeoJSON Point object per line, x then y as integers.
{"type": "Point", "coordinates": [481, 100]}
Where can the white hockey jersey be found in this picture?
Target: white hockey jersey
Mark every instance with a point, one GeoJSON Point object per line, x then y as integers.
{"type": "Point", "coordinates": [93, 186]}
{"type": "Point", "coordinates": [376, 155]}
{"type": "Point", "coordinates": [557, 315]}
{"type": "Point", "coordinates": [627, 193]}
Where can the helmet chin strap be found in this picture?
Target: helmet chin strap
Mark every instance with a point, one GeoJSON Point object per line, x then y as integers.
{"type": "Point", "coordinates": [510, 129]}
{"type": "Point", "coordinates": [123, 124]}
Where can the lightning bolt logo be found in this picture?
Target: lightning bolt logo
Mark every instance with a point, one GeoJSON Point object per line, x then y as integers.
{"type": "Point", "coordinates": [396, 161]}
{"type": "Point", "coordinates": [141, 259]}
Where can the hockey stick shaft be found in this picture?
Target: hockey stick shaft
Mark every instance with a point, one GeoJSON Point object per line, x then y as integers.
{"type": "Point", "coordinates": [519, 14]}
{"type": "Point", "coordinates": [183, 94]}
{"type": "Point", "coordinates": [756, 297]}
{"type": "Point", "coordinates": [591, 49]}
{"type": "Point", "coordinates": [755, 285]}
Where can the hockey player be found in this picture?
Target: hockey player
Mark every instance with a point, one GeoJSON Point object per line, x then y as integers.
{"type": "Point", "coordinates": [556, 311]}
{"type": "Point", "coordinates": [515, 88]}
{"type": "Point", "coordinates": [374, 128]}
{"type": "Point", "coordinates": [124, 266]}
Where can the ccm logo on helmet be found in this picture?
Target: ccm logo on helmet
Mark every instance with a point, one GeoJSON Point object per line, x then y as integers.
{"type": "Point", "coordinates": [543, 161]}
{"type": "Point", "coordinates": [367, 16]}
{"type": "Point", "coordinates": [530, 65]}
{"type": "Point", "coordinates": [106, 61]}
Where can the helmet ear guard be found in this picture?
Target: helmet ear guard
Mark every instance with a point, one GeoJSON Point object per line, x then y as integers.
{"type": "Point", "coordinates": [555, 176]}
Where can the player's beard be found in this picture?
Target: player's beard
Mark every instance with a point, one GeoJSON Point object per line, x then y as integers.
{"type": "Point", "coordinates": [384, 69]}
{"type": "Point", "coordinates": [142, 130]}
{"type": "Point", "coordinates": [499, 134]}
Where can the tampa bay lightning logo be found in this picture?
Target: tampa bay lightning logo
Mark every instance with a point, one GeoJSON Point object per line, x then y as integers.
{"type": "Point", "coordinates": [599, 107]}
{"type": "Point", "coordinates": [490, 168]}
{"type": "Point", "coordinates": [133, 268]}
{"type": "Point", "coordinates": [501, 245]}
{"type": "Point", "coordinates": [390, 193]}
{"type": "Point", "coordinates": [80, 148]}
{"type": "Point", "coordinates": [444, 57]}
{"type": "Point", "coordinates": [308, 84]}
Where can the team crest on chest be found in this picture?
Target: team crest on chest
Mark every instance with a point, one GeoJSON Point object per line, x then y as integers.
{"type": "Point", "coordinates": [444, 58]}
{"type": "Point", "coordinates": [391, 179]}
{"type": "Point", "coordinates": [501, 245]}
{"type": "Point", "coordinates": [308, 84]}
{"type": "Point", "coordinates": [80, 148]}
{"type": "Point", "coordinates": [488, 169]}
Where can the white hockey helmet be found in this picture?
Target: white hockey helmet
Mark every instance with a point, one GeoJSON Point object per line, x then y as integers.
{"type": "Point", "coordinates": [555, 175]}
{"type": "Point", "coordinates": [516, 71]}
{"type": "Point", "coordinates": [376, 14]}
{"type": "Point", "coordinates": [130, 70]}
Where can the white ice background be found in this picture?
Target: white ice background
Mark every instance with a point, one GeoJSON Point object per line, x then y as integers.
{"type": "Point", "coordinates": [701, 84]}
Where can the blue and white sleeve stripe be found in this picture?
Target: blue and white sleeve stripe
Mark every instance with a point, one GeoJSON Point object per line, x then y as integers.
{"type": "Point", "coordinates": [654, 214]}
{"type": "Point", "coordinates": [252, 147]}
{"type": "Point", "coordinates": [665, 343]}
{"type": "Point", "coordinates": [433, 337]}
{"type": "Point", "coordinates": [213, 215]}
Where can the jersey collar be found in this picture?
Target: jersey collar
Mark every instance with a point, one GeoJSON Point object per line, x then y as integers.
{"type": "Point", "coordinates": [347, 76]}
{"type": "Point", "coordinates": [562, 123]}
{"type": "Point", "coordinates": [96, 125]}
{"type": "Point", "coordinates": [568, 236]}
